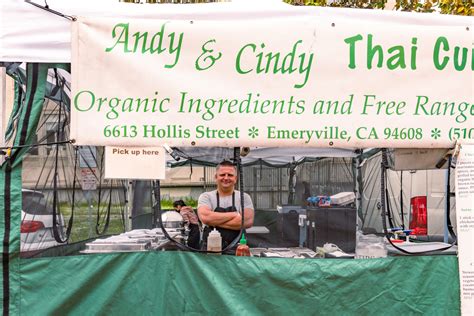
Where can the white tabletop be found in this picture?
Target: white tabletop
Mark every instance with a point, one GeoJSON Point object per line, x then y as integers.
{"type": "Point", "coordinates": [257, 230]}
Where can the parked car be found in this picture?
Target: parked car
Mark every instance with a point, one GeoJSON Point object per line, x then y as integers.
{"type": "Point", "coordinates": [37, 223]}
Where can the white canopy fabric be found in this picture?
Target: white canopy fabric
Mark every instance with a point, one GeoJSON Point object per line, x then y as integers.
{"type": "Point", "coordinates": [287, 154]}
{"type": "Point", "coordinates": [30, 34]}
{"type": "Point", "coordinates": [275, 156]}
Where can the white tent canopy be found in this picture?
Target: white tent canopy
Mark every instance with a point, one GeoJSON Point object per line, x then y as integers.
{"type": "Point", "coordinates": [276, 156]}
{"type": "Point", "coordinates": [285, 155]}
{"type": "Point", "coordinates": [30, 34]}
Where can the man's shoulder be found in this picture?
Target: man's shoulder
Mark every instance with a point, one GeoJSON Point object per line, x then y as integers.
{"type": "Point", "coordinates": [207, 199]}
{"type": "Point", "coordinates": [208, 193]}
{"type": "Point", "coordinates": [237, 192]}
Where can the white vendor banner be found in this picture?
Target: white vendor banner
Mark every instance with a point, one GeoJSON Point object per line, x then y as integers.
{"type": "Point", "coordinates": [285, 80]}
{"type": "Point", "coordinates": [465, 226]}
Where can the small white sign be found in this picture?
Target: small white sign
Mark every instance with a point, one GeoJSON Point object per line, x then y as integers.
{"type": "Point", "coordinates": [89, 178]}
{"type": "Point", "coordinates": [465, 226]}
{"type": "Point", "coordinates": [135, 163]}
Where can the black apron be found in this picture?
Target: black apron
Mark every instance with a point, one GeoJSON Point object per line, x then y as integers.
{"type": "Point", "coordinates": [194, 236]}
{"type": "Point", "coordinates": [228, 235]}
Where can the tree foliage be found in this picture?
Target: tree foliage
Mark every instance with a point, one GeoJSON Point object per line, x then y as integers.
{"type": "Point", "coordinates": [457, 7]}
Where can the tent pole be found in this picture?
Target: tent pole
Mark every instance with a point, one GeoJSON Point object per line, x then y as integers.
{"type": "Point", "coordinates": [291, 183]}
{"type": "Point", "coordinates": [359, 188]}
{"type": "Point", "coordinates": [129, 201]}
{"type": "Point", "coordinates": [448, 202]}
{"type": "Point", "coordinates": [6, 103]}
{"type": "Point", "coordinates": [3, 105]}
{"type": "Point", "coordinates": [401, 199]}
{"type": "Point", "coordinates": [156, 214]}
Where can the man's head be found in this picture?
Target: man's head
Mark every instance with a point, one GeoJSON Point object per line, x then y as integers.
{"type": "Point", "coordinates": [226, 176]}
{"type": "Point", "coordinates": [177, 205]}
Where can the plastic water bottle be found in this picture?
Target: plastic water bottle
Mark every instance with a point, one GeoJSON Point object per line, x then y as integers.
{"type": "Point", "coordinates": [214, 241]}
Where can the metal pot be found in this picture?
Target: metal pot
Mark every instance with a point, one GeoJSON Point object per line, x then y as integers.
{"type": "Point", "coordinates": [172, 219]}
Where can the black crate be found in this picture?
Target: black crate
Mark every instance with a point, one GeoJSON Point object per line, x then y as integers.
{"type": "Point", "coordinates": [336, 225]}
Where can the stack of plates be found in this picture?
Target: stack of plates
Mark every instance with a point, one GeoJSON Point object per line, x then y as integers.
{"type": "Point", "coordinates": [134, 240]}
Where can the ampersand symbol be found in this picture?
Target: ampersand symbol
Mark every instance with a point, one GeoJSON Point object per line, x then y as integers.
{"type": "Point", "coordinates": [207, 57]}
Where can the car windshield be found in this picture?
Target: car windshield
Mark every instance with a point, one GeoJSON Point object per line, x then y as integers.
{"type": "Point", "coordinates": [34, 203]}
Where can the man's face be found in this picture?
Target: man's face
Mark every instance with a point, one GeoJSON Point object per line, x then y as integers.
{"type": "Point", "coordinates": [226, 177]}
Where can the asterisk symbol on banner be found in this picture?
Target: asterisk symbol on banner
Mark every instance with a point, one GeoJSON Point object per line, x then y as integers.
{"type": "Point", "coordinates": [253, 132]}
{"type": "Point", "coordinates": [435, 133]}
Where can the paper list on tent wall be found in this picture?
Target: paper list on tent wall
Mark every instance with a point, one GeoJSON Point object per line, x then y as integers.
{"type": "Point", "coordinates": [465, 226]}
